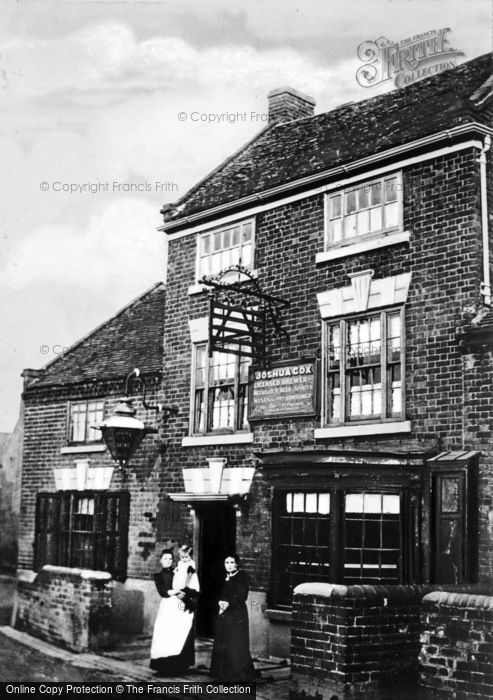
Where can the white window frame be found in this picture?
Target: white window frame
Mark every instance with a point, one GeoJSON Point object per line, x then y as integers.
{"type": "Point", "coordinates": [385, 416]}
{"type": "Point", "coordinates": [211, 232]}
{"type": "Point", "coordinates": [218, 431]}
{"type": "Point", "coordinates": [329, 242]}
{"type": "Point", "coordinates": [99, 437]}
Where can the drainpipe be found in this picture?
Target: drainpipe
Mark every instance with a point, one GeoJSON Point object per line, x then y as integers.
{"type": "Point", "coordinates": [485, 286]}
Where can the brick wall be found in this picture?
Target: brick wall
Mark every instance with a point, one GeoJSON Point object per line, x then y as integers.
{"type": "Point", "coordinates": [442, 214]}
{"type": "Point", "coordinates": [69, 607]}
{"type": "Point", "coordinates": [457, 646]}
{"type": "Point", "coordinates": [364, 641]}
{"type": "Point", "coordinates": [351, 641]}
{"type": "Point", "coordinates": [46, 434]}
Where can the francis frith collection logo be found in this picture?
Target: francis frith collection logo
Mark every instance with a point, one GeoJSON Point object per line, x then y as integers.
{"type": "Point", "coordinates": [407, 61]}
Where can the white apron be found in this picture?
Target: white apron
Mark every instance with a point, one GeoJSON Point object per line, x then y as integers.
{"type": "Point", "coordinates": [173, 623]}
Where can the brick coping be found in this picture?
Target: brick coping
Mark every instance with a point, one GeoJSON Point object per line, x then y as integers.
{"type": "Point", "coordinates": [398, 593]}
{"type": "Point", "coordinates": [459, 600]}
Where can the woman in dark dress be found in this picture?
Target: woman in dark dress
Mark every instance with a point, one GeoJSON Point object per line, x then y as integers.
{"type": "Point", "coordinates": [231, 660]}
{"type": "Point", "coordinates": [172, 648]}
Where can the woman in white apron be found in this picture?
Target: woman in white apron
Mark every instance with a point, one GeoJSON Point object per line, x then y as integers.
{"type": "Point", "coordinates": [172, 648]}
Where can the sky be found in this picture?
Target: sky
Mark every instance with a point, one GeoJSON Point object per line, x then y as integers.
{"type": "Point", "coordinates": [104, 118]}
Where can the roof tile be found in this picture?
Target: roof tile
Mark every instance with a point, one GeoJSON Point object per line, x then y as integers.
{"type": "Point", "coordinates": [289, 151]}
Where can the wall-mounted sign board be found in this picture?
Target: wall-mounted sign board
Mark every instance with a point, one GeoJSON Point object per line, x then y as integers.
{"type": "Point", "coordinates": [286, 389]}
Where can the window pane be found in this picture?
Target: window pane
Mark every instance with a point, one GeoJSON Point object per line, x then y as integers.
{"type": "Point", "coordinates": [324, 503]}
{"type": "Point", "coordinates": [289, 502]}
{"type": "Point", "coordinates": [372, 538]}
{"type": "Point", "coordinates": [391, 504]}
{"type": "Point", "coordinates": [354, 503]}
{"type": "Point", "coordinates": [95, 415]}
{"type": "Point", "coordinates": [351, 201]}
{"type": "Point", "coordinates": [199, 419]}
{"type": "Point", "coordinates": [217, 240]}
{"type": "Point", "coordinates": [391, 190]}
{"type": "Point", "coordinates": [311, 503]}
{"type": "Point", "coordinates": [376, 219]}
{"type": "Point", "coordinates": [391, 215]}
{"type": "Point", "coordinates": [205, 244]}
{"type": "Point", "coordinates": [350, 227]}
{"type": "Point", "coordinates": [204, 267]}
{"type": "Point", "coordinates": [78, 422]}
{"type": "Point", "coordinates": [302, 542]}
{"type": "Point", "coordinates": [376, 193]}
{"type": "Point", "coordinates": [336, 230]}
{"type": "Point", "coordinates": [215, 264]}
{"type": "Point", "coordinates": [363, 197]}
{"type": "Point", "coordinates": [246, 255]}
{"type": "Point", "coordinates": [363, 222]}
{"type": "Point", "coordinates": [372, 503]}
{"type": "Point", "coordinates": [334, 346]}
{"type": "Point", "coordinates": [298, 503]}
{"type": "Point", "coordinates": [450, 495]}
{"type": "Point", "coordinates": [335, 212]}
{"type": "Point", "coordinates": [247, 232]}
{"type": "Point", "coordinates": [222, 408]}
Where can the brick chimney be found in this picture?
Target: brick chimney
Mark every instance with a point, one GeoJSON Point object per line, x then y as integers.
{"type": "Point", "coordinates": [286, 104]}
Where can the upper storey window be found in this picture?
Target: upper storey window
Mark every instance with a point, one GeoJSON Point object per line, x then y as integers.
{"type": "Point", "coordinates": [223, 247]}
{"type": "Point", "coordinates": [84, 415]}
{"type": "Point", "coordinates": [364, 209]}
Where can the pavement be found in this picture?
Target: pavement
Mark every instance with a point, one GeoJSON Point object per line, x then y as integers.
{"type": "Point", "coordinates": [129, 662]}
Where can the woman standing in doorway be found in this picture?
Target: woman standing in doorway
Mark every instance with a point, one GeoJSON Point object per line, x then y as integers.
{"type": "Point", "coordinates": [231, 660]}
{"type": "Point", "coordinates": [172, 648]}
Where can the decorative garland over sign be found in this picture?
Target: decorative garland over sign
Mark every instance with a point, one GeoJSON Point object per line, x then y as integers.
{"type": "Point", "coordinates": [239, 327]}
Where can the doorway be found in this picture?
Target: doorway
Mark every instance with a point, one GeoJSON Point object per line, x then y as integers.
{"type": "Point", "coordinates": [217, 538]}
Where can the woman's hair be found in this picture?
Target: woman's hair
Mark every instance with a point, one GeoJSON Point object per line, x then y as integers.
{"type": "Point", "coordinates": [233, 555]}
{"type": "Point", "coordinates": [167, 551]}
{"type": "Point", "coordinates": [186, 549]}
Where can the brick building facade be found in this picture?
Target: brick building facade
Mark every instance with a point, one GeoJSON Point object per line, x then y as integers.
{"type": "Point", "coordinates": [357, 449]}
{"type": "Point", "coordinates": [78, 510]}
{"type": "Point", "coordinates": [371, 221]}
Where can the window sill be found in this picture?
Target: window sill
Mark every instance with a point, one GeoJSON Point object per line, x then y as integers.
{"type": "Point", "coordinates": [279, 615]}
{"type": "Point", "coordinates": [362, 246]}
{"type": "Point", "coordinates": [403, 426]}
{"type": "Point", "coordinates": [198, 288]}
{"type": "Point", "coordinates": [80, 449]}
{"type": "Point", "coordinates": [224, 439]}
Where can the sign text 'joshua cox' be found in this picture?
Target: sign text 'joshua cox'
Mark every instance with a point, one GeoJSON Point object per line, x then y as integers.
{"type": "Point", "coordinates": [286, 389]}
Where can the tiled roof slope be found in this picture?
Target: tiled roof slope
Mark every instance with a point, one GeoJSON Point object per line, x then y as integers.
{"type": "Point", "coordinates": [132, 338]}
{"type": "Point", "coordinates": [296, 149]}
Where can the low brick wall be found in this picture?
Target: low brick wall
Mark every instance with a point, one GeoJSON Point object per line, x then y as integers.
{"type": "Point", "coordinates": [456, 659]}
{"type": "Point", "coordinates": [68, 607]}
{"type": "Point", "coordinates": [358, 641]}
{"type": "Point", "coordinates": [352, 641]}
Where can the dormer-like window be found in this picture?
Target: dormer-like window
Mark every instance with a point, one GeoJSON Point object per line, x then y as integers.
{"type": "Point", "coordinates": [232, 245]}
{"type": "Point", "coordinates": [364, 209]}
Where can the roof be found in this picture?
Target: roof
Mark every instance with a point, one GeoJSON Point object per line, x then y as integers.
{"type": "Point", "coordinates": [286, 152]}
{"type": "Point", "coordinates": [133, 337]}
{"type": "Point", "coordinates": [457, 456]}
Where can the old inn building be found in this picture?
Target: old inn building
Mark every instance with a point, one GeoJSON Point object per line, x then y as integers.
{"type": "Point", "coordinates": [327, 345]}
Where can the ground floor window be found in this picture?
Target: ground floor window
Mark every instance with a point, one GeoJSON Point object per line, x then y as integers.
{"type": "Point", "coordinates": [337, 536]}
{"type": "Point", "coordinates": [84, 529]}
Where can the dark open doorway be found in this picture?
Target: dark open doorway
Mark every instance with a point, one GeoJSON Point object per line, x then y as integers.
{"type": "Point", "coordinates": [217, 538]}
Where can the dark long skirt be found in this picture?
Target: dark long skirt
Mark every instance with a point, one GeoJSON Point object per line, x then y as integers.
{"type": "Point", "coordinates": [231, 660]}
